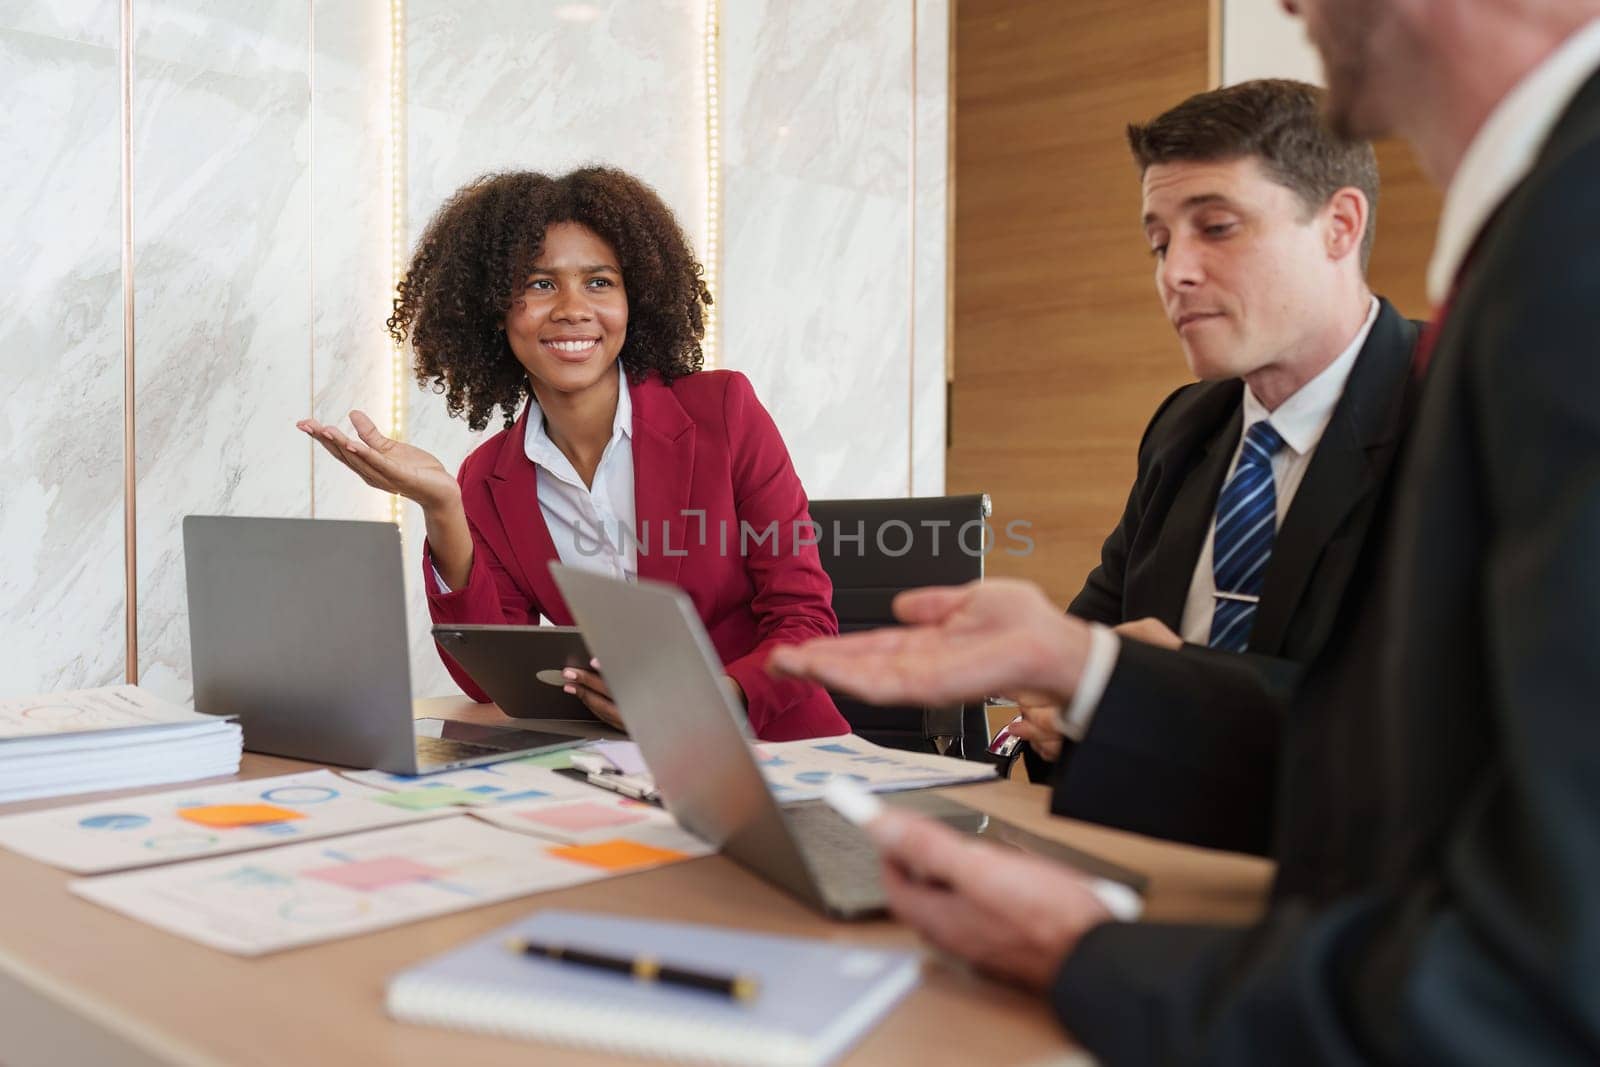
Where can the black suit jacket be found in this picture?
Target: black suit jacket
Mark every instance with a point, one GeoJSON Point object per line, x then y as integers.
{"type": "Point", "coordinates": [1440, 798]}
{"type": "Point", "coordinates": [1173, 765]}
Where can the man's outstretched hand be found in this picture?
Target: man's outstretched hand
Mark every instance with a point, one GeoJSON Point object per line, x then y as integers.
{"type": "Point", "coordinates": [959, 644]}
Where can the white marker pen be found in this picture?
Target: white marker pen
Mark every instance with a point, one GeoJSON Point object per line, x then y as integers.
{"type": "Point", "coordinates": [861, 807]}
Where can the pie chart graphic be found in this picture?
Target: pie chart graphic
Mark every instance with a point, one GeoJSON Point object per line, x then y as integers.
{"type": "Point", "coordinates": [317, 912]}
{"type": "Point", "coordinates": [114, 822]}
{"type": "Point", "coordinates": [299, 794]}
{"type": "Point", "coordinates": [47, 718]}
{"type": "Point", "coordinates": [181, 841]}
{"type": "Point", "coordinates": [51, 712]}
{"type": "Point", "coordinates": [818, 777]}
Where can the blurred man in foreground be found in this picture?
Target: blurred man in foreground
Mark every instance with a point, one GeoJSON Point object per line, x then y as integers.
{"type": "Point", "coordinates": [1457, 919]}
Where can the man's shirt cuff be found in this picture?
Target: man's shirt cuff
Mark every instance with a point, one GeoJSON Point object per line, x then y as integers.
{"type": "Point", "coordinates": [1104, 647]}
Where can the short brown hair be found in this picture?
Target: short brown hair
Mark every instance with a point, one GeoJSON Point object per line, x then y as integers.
{"type": "Point", "coordinates": [1274, 120]}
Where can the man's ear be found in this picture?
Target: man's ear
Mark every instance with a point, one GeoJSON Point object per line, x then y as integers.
{"type": "Point", "coordinates": [1345, 215]}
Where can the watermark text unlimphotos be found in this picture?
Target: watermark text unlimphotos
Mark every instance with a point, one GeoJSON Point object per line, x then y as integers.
{"type": "Point", "coordinates": [892, 538]}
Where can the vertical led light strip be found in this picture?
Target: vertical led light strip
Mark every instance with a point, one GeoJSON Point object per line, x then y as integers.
{"type": "Point", "coordinates": [130, 467]}
{"type": "Point", "coordinates": [911, 268]}
{"type": "Point", "coordinates": [711, 44]}
{"type": "Point", "coordinates": [397, 218]}
{"type": "Point", "coordinates": [311, 245]}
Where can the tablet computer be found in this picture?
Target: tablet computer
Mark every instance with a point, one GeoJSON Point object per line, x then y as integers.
{"type": "Point", "coordinates": [520, 666]}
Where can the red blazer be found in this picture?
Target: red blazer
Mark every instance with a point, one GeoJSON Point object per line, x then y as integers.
{"type": "Point", "coordinates": [702, 443]}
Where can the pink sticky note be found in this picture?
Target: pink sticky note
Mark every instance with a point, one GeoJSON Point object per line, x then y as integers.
{"type": "Point", "coordinates": [368, 875]}
{"type": "Point", "coordinates": [582, 816]}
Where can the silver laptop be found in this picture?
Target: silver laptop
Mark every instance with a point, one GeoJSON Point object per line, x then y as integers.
{"type": "Point", "coordinates": [665, 677]}
{"type": "Point", "coordinates": [298, 627]}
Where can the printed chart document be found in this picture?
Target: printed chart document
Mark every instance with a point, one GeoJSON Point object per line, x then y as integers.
{"type": "Point", "coordinates": [317, 891]}
{"type": "Point", "coordinates": [117, 737]}
{"type": "Point", "coordinates": [78, 711]}
{"type": "Point", "coordinates": [597, 817]}
{"type": "Point", "coordinates": [528, 797]}
{"type": "Point", "coordinates": [183, 824]}
{"type": "Point", "coordinates": [495, 783]}
{"type": "Point", "coordinates": [798, 770]}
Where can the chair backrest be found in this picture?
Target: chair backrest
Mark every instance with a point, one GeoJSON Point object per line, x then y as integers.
{"type": "Point", "coordinates": [873, 549]}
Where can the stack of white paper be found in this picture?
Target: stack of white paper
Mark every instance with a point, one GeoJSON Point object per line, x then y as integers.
{"type": "Point", "coordinates": [111, 738]}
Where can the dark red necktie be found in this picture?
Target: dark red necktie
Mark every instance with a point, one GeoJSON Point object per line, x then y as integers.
{"type": "Point", "coordinates": [1430, 333]}
{"type": "Point", "coordinates": [1435, 325]}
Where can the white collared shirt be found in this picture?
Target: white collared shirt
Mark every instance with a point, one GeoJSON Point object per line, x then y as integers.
{"type": "Point", "coordinates": [1504, 150]}
{"type": "Point", "coordinates": [1301, 421]}
{"type": "Point", "coordinates": [593, 526]}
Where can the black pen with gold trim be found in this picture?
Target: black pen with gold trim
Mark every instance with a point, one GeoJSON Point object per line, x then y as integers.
{"type": "Point", "coordinates": [644, 968]}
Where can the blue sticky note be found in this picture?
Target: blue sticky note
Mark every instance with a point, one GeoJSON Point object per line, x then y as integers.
{"type": "Point", "coordinates": [528, 794]}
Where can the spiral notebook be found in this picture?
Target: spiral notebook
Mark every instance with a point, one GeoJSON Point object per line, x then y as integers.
{"type": "Point", "coordinates": [816, 998]}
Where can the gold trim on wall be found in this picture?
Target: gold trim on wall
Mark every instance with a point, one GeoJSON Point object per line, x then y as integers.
{"type": "Point", "coordinates": [130, 471]}
{"type": "Point", "coordinates": [311, 245]}
{"type": "Point", "coordinates": [1214, 45]}
{"type": "Point", "coordinates": [949, 209]}
{"type": "Point", "coordinates": [397, 222]}
{"type": "Point", "coordinates": [711, 93]}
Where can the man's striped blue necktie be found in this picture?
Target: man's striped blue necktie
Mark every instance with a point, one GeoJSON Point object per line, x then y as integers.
{"type": "Point", "coordinates": [1247, 524]}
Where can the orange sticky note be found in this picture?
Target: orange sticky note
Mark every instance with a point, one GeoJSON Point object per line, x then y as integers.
{"type": "Point", "coordinates": [218, 815]}
{"type": "Point", "coordinates": [618, 855]}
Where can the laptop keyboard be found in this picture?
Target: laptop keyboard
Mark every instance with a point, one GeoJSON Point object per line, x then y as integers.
{"type": "Point", "coordinates": [432, 751]}
{"type": "Point", "coordinates": [843, 860]}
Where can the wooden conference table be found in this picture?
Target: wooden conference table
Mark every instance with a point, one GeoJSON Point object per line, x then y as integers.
{"type": "Point", "coordinates": [82, 985]}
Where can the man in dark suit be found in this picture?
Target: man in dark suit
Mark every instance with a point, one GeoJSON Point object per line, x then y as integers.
{"type": "Point", "coordinates": [1439, 785]}
{"type": "Point", "coordinates": [1261, 224]}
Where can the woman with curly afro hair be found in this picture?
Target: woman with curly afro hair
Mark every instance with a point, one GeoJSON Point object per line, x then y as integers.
{"type": "Point", "coordinates": [577, 301]}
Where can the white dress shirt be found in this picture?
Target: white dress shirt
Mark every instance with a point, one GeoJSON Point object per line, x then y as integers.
{"type": "Point", "coordinates": [1300, 421]}
{"type": "Point", "coordinates": [593, 526]}
{"type": "Point", "coordinates": [1504, 150]}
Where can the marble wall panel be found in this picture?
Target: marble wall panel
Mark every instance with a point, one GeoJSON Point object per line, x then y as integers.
{"type": "Point", "coordinates": [818, 214]}
{"type": "Point", "coordinates": [61, 501]}
{"type": "Point", "coordinates": [546, 86]}
{"type": "Point", "coordinates": [221, 209]}
{"type": "Point", "coordinates": [932, 247]}
{"type": "Point", "coordinates": [348, 272]}
{"type": "Point", "coordinates": [1260, 41]}
{"type": "Point", "coordinates": [261, 260]}
{"type": "Point", "coordinates": [817, 315]}
{"type": "Point", "coordinates": [819, 90]}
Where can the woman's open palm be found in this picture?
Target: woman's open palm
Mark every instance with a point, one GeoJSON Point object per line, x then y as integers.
{"type": "Point", "coordinates": [384, 463]}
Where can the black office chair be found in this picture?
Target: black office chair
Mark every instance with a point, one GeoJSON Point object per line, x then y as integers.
{"type": "Point", "coordinates": [873, 549]}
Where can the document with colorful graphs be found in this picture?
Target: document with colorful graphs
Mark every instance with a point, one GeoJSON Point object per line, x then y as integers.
{"type": "Point", "coordinates": [320, 890]}
{"type": "Point", "coordinates": [181, 824]}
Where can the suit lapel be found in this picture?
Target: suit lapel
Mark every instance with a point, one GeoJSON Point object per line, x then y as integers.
{"type": "Point", "coordinates": [514, 488]}
{"type": "Point", "coordinates": [1349, 463]}
{"type": "Point", "coordinates": [663, 475]}
{"type": "Point", "coordinates": [1165, 587]}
